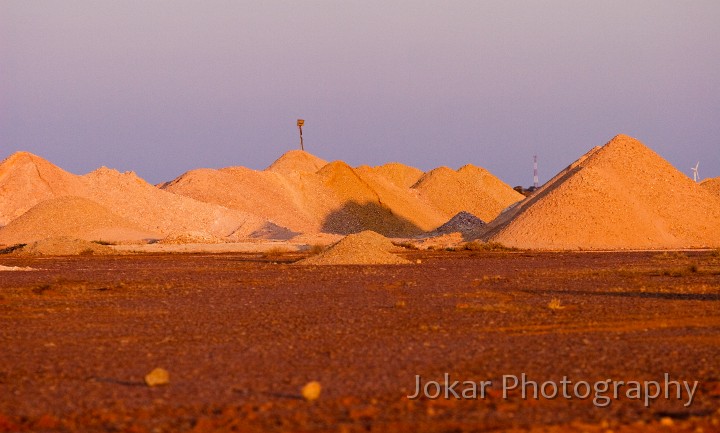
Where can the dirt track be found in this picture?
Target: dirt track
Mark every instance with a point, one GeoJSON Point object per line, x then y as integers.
{"type": "Point", "coordinates": [240, 335]}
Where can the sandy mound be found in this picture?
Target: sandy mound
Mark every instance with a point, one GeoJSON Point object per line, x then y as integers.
{"type": "Point", "coordinates": [64, 247]}
{"type": "Point", "coordinates": [464, 223]}
{"type": "Point", "coordinates": [712, 185]}
{"type": "Point", "coordinates": [299, 193]}
{"type": "Point", "coordinates": [471, 189]}
{"type": "Point", "coordinates": [272, 196]}
{"type": "Point", "coordinates": [400, 175]}
{"type": "Point", "coordinates": [161, 211]}
{"type": "Point", "coordinates": [336, 198]}
{"type": "Point", "coordinates": [619, 196]}
{"type": "Point", "coordinates": [365, 248]}
{"type": "Point", "coordinates": [367, 203]}
{"type": "Point", "coordinates": [73, 217]}
{"type": "Point", "coordinates": [26, 180]}
{"type": "Point", "coordinates": [297, 161]}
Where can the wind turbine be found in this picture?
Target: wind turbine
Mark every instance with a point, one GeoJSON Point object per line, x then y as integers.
{"type": "Point", "coordinates": [695, 171]}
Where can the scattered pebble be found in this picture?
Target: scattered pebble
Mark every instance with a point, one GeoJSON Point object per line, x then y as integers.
{"type": "Point", "coordinates": [311, 391]}
{"type": "Point", "coordinates": [157, 377]}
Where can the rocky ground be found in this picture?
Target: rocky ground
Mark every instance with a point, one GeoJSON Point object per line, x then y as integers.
{"type": "Point", "coordinates": [241, 334]}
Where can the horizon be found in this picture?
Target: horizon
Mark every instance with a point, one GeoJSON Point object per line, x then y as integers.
{"type": "Point", "coordinates": [160, 90]}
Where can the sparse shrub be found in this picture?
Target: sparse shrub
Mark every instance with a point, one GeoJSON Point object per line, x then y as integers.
{"type": "Point", "coordinates": [406, 244]}
{"type": "Point", "coordinates": [274, 253]}
{"type": "Point", "coordinates": [485, 246]}
{"type": "Point", "coordinates": [555, 304]}
{"type": "Point", "coordinates": [87, 252]}
{"type": "Point", "coordinates": [101, 242]}
{"type": "Point", "coordinates": [715, 253]}
{"type": "Point", "coordinates": [316, 249]}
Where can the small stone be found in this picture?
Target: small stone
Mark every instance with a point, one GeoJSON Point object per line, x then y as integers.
{"type": "Point", "coordinates": [667, 421]}
{"type": "Point", "coordinates": [157, 377]}
{"type": "Point", "coordinates": [311, 391]}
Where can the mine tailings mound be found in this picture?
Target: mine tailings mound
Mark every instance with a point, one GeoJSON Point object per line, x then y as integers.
{"type": "Point", "coordinates": [618, 196]}
{"type": "Point", "coordinates": [73, 217]}
{"type": "Point", "coordinates": [712, 185]}
{"type": "Point", "coordinates": [365, 248]}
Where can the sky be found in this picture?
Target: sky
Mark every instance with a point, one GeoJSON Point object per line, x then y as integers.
{"type": "Point", "coordinates": [162, 87]}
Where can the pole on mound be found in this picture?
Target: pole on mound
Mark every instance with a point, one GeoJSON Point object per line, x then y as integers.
{"type": "Point", "coordinates": [300, 124]}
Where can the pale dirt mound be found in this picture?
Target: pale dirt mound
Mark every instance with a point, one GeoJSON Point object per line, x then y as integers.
{"type": "Point", "coordinates": [471, 189]}
{"type": "Point", "coordinates": [272, 196]}
{"type": "Point", "coordinates": [464, 223]}
{"type": "Point", "coordinates": [336, 199]}
{"type": "Point", "coordinates": [190, 238]}
{"type": "Point", "coordinates": [273, 231]}
{"type": "Point", "coordinates": [365, 248]}
{"type": "Point", "coordinates": [26, 180]}
{"type": "Point", "coordinates": [400, 175]}
{"type": "Point", "coordinates": [164, 212]}
{"type": "Point", "coordinates": [619, 196]}
{"type": "Point", "coordinates": [712, 185]}
{"type": "Point", "coordinates": [369, 203]}
{"type": "Point", "coordinates": [64, 247]}
{"type": "Point", "coordinates": [297, 161]}
{"type": "Point", "coordinates": [73, 217]}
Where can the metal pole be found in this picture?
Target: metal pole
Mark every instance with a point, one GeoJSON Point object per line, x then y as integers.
{"type": "Point", "coordinates": [300, 123]}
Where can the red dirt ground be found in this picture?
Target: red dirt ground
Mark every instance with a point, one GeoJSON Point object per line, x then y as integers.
{"type": "Point", "coordinates": [240, 335]}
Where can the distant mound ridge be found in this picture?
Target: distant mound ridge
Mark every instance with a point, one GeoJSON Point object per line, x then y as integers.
{"type": "Point", "coordinates": [299, 193]}
{"type": "Point", "coordinates": [364, 248]}
{"type": "Point", "coordinates": [297, 161]}
{"type": "Point", "coordinates": [471, 189]}
{"type": "Point", "coordinates": [618, 196]}
{"type": "Point", "coordinates": [73, 217]}
{"type": "Point", "coordinates": [27, 180]}
{"type": "Point", "coordinates": [712, 185]}
{"type": "Point", "coordinates": [464, 223]}
{"type": "Point", "coordinates": [305, 194]}
{"type": "Point", "coordinates": [400, 175]}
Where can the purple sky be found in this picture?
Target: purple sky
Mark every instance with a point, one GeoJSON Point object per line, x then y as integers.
{"type": "Point", "coordinates": [161, 87]}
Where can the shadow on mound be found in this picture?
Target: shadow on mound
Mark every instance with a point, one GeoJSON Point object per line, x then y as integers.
{"type": "Point", "coordinates": [355, 217]}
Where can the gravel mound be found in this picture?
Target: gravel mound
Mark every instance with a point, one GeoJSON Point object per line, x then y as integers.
{"type": "Point", "coordinates": [190, 238]}
{"type": "Point", "coordinates": [72, 217]}
{"type": "Point", "coordinates": [26, 180]}
{"type": "Point", "coordinates": [297, 161]}
{"type": "Point", "coordinates": [365, 248]}
{"type": "Point", "coordinates": [305, 194]}
{"type": "Point", "coordinates": [64, 247]}
{"type": "Point", "coordinates": [712, 185]}
{"type": "Point", "coordinates": [471, 189]}
{"type": "Point", "coordinates": [401, 175]}
{"type": "Point", "coordinates": [463, 222]}
{"type": "Point", "coordinates": [618, 196]}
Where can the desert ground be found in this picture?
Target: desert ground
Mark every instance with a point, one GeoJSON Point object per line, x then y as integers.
{"type": "Point", "coordinates": [312, 296]}
{"type": "Point", "coordinates": [240, 334]}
